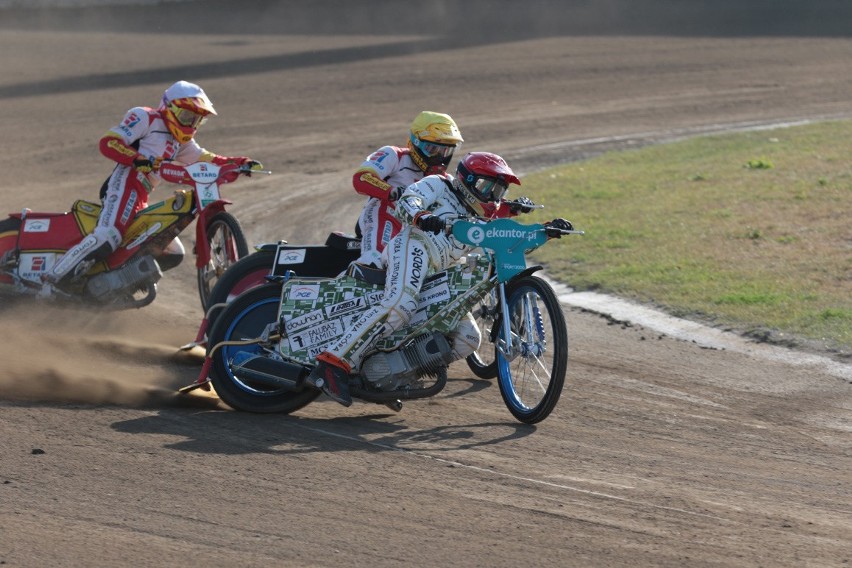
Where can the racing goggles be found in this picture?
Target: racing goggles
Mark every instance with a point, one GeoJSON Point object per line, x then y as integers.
{"type": "Point", "coordinates": [433, 149]}
{"type": "Point", "coordinates": [186, 117]}
{"type": "Point", "coordinates": [488, 189]}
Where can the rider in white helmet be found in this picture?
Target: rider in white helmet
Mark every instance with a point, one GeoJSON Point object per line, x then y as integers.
{"type": "Point", "coordinates": [144, 138]}
{"type": "Point", "coordinates": [384, 175]}
{"type": "Point", "coordinates": [421, 248]}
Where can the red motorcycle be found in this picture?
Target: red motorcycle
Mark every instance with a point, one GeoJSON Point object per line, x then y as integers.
{"type": "Point", "coordinates": [30, 242]}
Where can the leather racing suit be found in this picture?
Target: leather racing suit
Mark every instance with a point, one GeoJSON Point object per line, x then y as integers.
{"type": "Point", "coordinates": [409, 258]}
{"type": "Point", "coordinates": [382, 177]}
{"type": "Point", "coordinates": [141, 134]}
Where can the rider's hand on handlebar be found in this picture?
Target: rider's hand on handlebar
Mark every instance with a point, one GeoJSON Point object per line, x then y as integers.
{"type": "Point", "coordinates": [554, 228]}
{"type": "Point", "coordinates": [430, 223]}
{"type": "Point", "coordinates": [521, 205]}
{"type": "Point", "coordinates": [247, 165]}
{"type": "Point", "coordinates": [144, 165]}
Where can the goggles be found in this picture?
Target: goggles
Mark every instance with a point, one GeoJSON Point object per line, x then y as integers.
{"type": "Point", "coordinates": [433, 149]}
{"type": "Point", "coordinates": [186, 117]}
{"type": "Point", "coordinates": [488, 189]}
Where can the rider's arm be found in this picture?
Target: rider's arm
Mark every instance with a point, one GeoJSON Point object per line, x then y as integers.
{"type": "Point", "coordinates": [370, 178]}
{"type": "Point", "coordinates": [418, 198]}
{"type": "Point", "coordinates": [117, 143]}
{"type": "Point", "coordinates": [116, 149]}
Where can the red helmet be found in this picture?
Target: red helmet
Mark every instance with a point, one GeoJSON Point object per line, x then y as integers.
{"type": "Point", "coordinates": [184, 107]}
{"type": "Point", "coordinates": [483, 177]}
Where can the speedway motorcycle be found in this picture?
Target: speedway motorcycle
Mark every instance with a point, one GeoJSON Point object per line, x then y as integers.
{"type": "Point", "coordinates": [270, 261]}
{"type": "Point", "coordinates": [264, 343]}
{"type": "Point", "coordinates": [31, 242]}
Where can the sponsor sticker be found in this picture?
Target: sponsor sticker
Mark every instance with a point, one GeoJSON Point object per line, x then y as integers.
{"type": "Point", "coordinates": [316, 336]}
{"type": "Point", "coordinates": [304, 292]}
{"type": "Point", "coordinates": [344, 307]}
{"type": "Point", "coordinates": [304, 320]}
{"type": "Point", "coordinates": [36, 225]}
{"type": "Point", "coordinates": [292, 256]}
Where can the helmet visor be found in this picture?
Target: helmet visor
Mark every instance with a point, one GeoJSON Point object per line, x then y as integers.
{"type": "Point", "coordinates": [186, 117]}
{"type": "Point", "coordinates": [433, 149]}
{"type": "Point", "coordinates": [489, 189]}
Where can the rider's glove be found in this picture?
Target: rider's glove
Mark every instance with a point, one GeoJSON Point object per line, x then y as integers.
{"type": "Point", "coordinates": [561, 224]}
{"type": "Point", "coordinates": [143, 165]}
{"type": "Point", "coordinates": [430, 223]}
{"type": "Point", "coordinates": [521, 205]}
{"type": "Point", "coordinates": [247, 164]}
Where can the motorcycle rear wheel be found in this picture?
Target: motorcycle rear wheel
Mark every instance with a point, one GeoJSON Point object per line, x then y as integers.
{"type": "Point", "coordinates": [531, 383]}
{"type": "Point", "coordinates": [227, 245]}
{"type": "Point", "coordinates": [247, 317]}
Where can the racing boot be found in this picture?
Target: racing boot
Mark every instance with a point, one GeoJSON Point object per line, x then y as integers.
{"type": "Point", "coordinates": [331, 374]}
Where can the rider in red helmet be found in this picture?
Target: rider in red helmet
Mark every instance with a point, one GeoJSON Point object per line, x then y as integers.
{"type": "Point", "coordinates": [144, 138]}
{"type": "Point", "coordinates": [421, 248]}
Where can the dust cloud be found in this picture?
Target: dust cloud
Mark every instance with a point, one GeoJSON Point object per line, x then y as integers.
{"type": "Point", "coordinates": [63, 355]}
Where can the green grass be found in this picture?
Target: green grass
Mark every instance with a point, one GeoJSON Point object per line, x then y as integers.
{"type": "Point", "coordinates": [751, 231]}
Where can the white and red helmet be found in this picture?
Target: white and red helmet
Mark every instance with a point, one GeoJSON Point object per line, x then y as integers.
{"type": "Point", "coordinates": [184, 107]}
{"type": "Point", "coordinates": [482, 177]}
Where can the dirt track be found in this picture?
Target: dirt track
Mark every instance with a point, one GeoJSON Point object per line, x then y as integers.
{"type": "Point", "coordinates": [660, 453]}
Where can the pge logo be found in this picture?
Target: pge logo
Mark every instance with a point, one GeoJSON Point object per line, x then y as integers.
{"type": "Point", "coordinates": [475, 235]}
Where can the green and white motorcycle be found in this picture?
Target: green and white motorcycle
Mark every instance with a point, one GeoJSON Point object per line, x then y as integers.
{"type": "Point", "coordinates": [264, 343]}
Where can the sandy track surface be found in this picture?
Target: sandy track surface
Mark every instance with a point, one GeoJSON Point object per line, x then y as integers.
{"type": "Point", "coordinates": [660, 453]}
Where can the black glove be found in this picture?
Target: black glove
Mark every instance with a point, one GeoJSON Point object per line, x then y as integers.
{"type": "Point", "coordinates": [395, 193]}
{"type": "Point", "coordinates": [248, 166]}
{"type": "Point", "coordinates": [431, 223]}
{"type": "Point", "coordinates": [521, 205]}
{"type": "Point", "coordinates": [561, 224]}
{"type": "Point", "coordinates": [143, 165]}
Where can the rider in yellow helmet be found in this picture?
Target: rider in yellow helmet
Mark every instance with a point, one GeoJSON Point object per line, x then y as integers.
{"type": "Point", "coordinates": [389, 170]}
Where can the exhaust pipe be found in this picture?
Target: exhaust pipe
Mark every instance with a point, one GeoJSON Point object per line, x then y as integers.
{"type": "Point", "coordinates": [270, 372]}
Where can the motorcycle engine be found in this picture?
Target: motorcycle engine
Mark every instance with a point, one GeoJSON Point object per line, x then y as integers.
{"type": "Point", "coordinates": [126, 279]}
{"type": "Point", "coordinates": [424, 355]}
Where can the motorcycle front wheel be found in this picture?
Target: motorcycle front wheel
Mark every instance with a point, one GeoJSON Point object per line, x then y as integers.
{"type": "Point", "coordinates": [532, 375]}
{"type": "Point", "coordinates": [245, 318]}
{"type": "Point", "coordinates": [227, 244]}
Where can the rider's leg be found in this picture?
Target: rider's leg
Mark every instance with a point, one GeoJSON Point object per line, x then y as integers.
{"type": "Point", "coordinates": [123, 199]}
{"type": "Point", "coordinates": [369, 224]}
{"type": "Point", "coordinates": [378, 227]}
{"type": "Point", "coordinates": [407, 266]}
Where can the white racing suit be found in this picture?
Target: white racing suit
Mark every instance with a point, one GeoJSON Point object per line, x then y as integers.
{"type": "Point", "coordinates": [409, 258]}
{"type": "Point", "coordinates": [381, 173]}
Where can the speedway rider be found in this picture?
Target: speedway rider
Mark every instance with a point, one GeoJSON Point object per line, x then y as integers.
{"type": "Point", "coordinates": [385, 174]}
{"type": "Point", "coordinates": [422, 247]}
{"type": "Point", "coordinates": [144, 138]}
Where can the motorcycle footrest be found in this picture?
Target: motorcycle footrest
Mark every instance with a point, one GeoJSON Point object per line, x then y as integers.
{"type": "Point", "coordinates": [269, 372]}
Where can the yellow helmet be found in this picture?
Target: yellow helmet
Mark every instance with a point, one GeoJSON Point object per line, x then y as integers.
{"type": "Point", "coordinates": [434, 138]}
{"type": "Point", "coordinates": [184, 107]}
